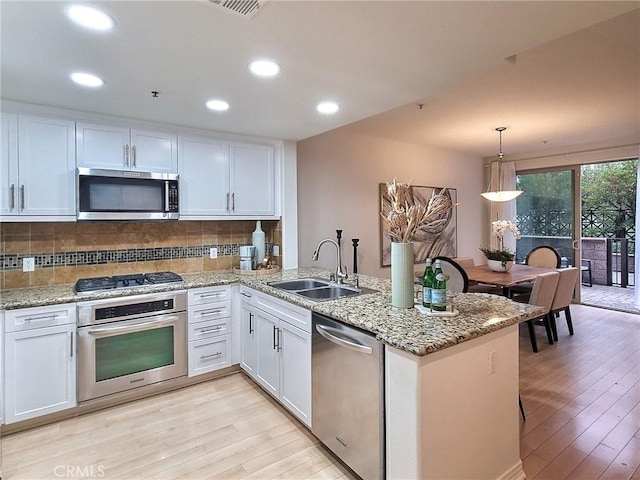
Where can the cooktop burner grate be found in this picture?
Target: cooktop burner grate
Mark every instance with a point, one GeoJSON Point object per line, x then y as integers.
{"type": "Point", "coordinates": [125, 281]}
{"type": "Point", "coordinates": [163, 277]}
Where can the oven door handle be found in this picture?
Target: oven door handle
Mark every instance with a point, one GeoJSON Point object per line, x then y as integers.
{"type": "Point", "coordinates": [137, 327]}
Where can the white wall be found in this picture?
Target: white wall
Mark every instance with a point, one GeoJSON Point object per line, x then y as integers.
{"type": "Point", "coordinates": [339, 173]}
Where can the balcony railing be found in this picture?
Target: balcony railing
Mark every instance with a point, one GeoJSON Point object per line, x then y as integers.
{"type": "Point", "coordinates": [608, 240]}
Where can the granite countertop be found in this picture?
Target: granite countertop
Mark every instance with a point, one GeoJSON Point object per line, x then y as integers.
{"type": "Point", "coordinates": [406, 329]}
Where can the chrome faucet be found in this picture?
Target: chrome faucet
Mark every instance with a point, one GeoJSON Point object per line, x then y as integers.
{"type": "Point", "coordinates": [340, 275]}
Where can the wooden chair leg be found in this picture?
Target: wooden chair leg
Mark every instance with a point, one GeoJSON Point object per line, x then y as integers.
{"type": "Point", "coordinates": [554, 326]}
{"type": "Point", "coordinates": [567, 314]}
{"type": "Point", "coordinates": [532, 336]}
{"type": "Point", "coordinates": [547, 327]}
{"type": "Point", "coordinates": [524, 417]}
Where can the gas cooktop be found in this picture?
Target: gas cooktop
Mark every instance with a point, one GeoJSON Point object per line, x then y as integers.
{"type": "Point", "coordinates": [88, 285]}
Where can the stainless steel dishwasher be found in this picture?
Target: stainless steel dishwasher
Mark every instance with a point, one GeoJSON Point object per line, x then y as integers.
{"type": "Point", "coordinates": [348, 395]}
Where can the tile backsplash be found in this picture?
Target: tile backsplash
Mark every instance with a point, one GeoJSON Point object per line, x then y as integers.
{"type": "Point", "coordinates": [65, 252]}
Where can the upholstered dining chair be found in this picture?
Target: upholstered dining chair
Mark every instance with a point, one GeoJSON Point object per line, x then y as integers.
{"type": "Point", "coordinates": [542, 293]}
{"type": "Point", "coordinates": [562, 299]}
{"type": "Point", "coordinates": [464, 261]}
{"type": "Point", "coordinates": [543, 256]}
{"type": "Point", "coordinates": [457, 280]}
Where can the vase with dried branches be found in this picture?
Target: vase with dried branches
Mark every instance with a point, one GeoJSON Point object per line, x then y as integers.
{"type": "Point", "coordinates": [403, 217]}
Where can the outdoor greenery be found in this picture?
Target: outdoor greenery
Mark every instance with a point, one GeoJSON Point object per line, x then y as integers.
{"type": "Point", "coordinates": [610, 186]}
{"type": "Point", "coordinates": [608, 201]}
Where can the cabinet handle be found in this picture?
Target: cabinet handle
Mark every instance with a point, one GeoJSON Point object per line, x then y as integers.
{"type": "Point", "coordinates": [278, 338]}
{"type": "Point", "coordinates": [228, 194]}
{"type": "Point", "coordinates": [211, 329]}
{"type": "Point", "coordinates": [233, 202]}
{"type": "Point", "coordinates": [211, 312]}
{"type": "Point", "coordinates": [13, 196]}
{"type": "Point", "coordinates": [71, 337]}
{"type": "Point", "coordinates": [250, 323]}
{"type": "Point", "coordinates": [204, 357]}
{"type": "Point", "coordinates": [213, 294]}
{"type": "Point", "coordinates": [248, 295]}
{"type": "Point", "coordinates": [274, 337]}
{"type": "Point", "coordinates": [126, 155]}
{"type": "Point", "coordinates": [133, 151]}
{"type": "Point", "coordinates": [45, 317]}
{"type": "Point", "coordinates": [22, 197]}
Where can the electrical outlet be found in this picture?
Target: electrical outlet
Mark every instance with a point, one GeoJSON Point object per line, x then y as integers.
{"type": "Point", "coordinates": [492, 362]}
{"type": "Point", "coordinates": [213, 252]}
{"type": "Point", "coordinates": [28, 264]}
{"type": "Point", "coordinates": [276, 251]}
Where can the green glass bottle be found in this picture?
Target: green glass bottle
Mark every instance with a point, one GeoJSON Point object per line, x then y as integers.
{"type": "Point", "coordinates": [427, 284]}
{"type": "Point", "coordinates": [439, 289]}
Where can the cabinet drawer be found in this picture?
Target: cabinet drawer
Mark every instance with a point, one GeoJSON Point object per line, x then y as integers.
{"type": "Point", "coordinates": [285, 311]}
{"type": "Point", "coordinates": [210, 311]}
{"type": "Point", "coordinates": [209, 354]}
{"type": "Point", "coordinates": [209, 328]}
{"type": "Point", "coordinates": [39, 317]}
{"type": "Point", "coordinates": [248, 295]}
{"type": "Point", "coordinates": [198, 296]}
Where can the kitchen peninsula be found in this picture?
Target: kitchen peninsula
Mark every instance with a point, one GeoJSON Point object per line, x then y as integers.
{"type": "Point", "coordinates": [451, 384]}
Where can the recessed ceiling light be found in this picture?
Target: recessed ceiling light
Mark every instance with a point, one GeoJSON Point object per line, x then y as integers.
{"type": "Point", "coordinates": [264, 68]}
{"type": "Point", "coordinates": [90, 17]}
{"type": "Point", "coordinates": [217, 105]}
{"type": "Point", "coordinates": [86, 79]}
{"type": "Point", "coordinates": [328, 108]}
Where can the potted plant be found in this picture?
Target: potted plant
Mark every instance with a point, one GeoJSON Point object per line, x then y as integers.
{"type": "Point", "coordinates": [501, 259]}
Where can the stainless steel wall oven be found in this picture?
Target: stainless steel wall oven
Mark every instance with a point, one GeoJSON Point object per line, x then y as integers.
{"type": "Point", "coordinates": [128, 342]}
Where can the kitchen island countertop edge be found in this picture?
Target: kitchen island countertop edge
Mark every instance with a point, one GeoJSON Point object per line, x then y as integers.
{"type": "Point", "coordinates": [405, 329]}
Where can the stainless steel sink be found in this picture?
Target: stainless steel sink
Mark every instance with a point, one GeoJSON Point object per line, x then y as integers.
{"type": "Point", "coordinates": [300, 284]}
{"type": "Point", "coordinates": [318, 289]}
{"type": "Point", "coordinates": [328, 293]}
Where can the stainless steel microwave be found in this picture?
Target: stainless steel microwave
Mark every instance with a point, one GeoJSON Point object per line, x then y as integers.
{"type": "Point", "coordinates": [127, 195]}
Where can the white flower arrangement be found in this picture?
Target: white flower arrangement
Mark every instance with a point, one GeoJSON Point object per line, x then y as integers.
{"type": "Point", "coordinates": [499, 228]}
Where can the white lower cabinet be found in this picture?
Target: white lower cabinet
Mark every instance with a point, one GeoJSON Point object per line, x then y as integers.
{"type": "Point", "coordinates": [40, 361]}
{"type": "Point", "coordinates": [208, 354]}
{"type": "Point", "coordinates": [295, 371]}
{"type": "Point", "coordinates": [276, 349]}
{"type": "Point", "coordinates": [268, 352]}
{"type": "Point", "coordinates": [208, 329]}
{"type": "Point", "coordinates": [248, 336]}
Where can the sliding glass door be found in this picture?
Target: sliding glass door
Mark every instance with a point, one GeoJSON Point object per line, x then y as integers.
{"type": "Point", "coordinates": [548, 213]}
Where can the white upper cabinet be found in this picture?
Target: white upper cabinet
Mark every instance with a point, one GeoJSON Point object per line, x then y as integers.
{"type": "Point", "coordinates": [9, 165]}
{"type": "Point", "coordinates": [252, 179]}
{"type": "Point", "coordinates": [204, 176]}
{"type": "Point", "coordinates": [38, 167]}
{"type": "Point", "coordinates": [222, 179]}
{"type": "Point", "coordinates": [118, 148]}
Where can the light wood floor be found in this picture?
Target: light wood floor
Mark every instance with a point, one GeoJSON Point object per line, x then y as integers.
{"type": "Point", "coordinates": [582, 399]}
{"type": "Point", "coordinates": [223, 429]}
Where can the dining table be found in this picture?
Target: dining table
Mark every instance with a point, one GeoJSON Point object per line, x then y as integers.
{"type": "Point", "coordinates": [517, 274]}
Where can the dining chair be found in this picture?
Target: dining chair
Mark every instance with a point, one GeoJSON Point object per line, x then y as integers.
{"type": "Point", "coordinates": [457, 279]}
{"type": "Point", "coordinates": [543, 256]}
{"type": "Point", "coordinates": [464, 261]}
{"type": "Point", "coordinates": [542, 294]}
{"type": "Point", "coordinates": [562, 298]}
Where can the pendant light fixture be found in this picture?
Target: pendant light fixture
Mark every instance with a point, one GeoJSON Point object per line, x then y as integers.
{"type": "Point", "coordinates": [498, 194]}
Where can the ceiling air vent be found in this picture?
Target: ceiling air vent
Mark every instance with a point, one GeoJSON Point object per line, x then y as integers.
{"type": "Point", "coordinates": [246, 8]}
